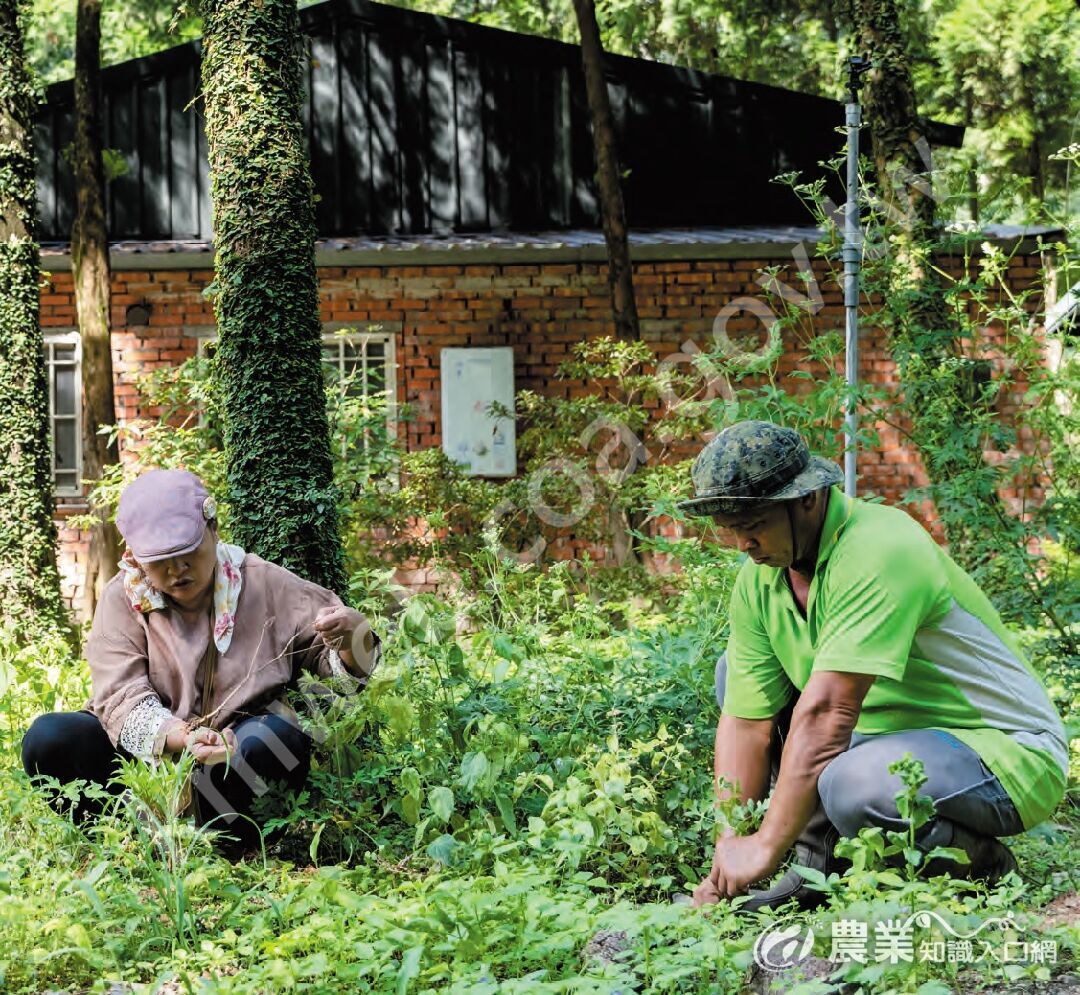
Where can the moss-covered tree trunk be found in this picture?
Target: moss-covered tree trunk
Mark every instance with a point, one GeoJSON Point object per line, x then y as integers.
{"type": "Point", "coordinates": [268, 360]}
{"type": "Point", "coordinates": [925, 334]}
{"type": "Point", "coordinates": [90, 263]}
{"type": "Point", "coordinates": [29, 580]}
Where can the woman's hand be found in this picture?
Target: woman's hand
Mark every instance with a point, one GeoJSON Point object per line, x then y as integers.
{"type": "Point", "coordinates": [205, 744]}
{"type": "Point", "coordinates": [177, 736]}
{"type": "Point", "coordinates": [344, 629]}
{"type": "Point", "coordinates": [210, 747]}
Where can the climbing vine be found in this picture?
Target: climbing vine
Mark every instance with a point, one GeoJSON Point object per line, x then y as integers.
{"type": "Point", "coordinates": [29, 581]}
{"type": "Point", "coordinates": [265, 291]}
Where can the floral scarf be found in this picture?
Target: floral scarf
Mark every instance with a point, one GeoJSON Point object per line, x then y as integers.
{"type": "Point", "coordinates": [144, 597]}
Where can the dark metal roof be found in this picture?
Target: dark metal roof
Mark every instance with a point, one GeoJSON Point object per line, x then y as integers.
{"type": "Point", "coordinates": [751, 242]}
{"type": "Point", "coordinates": [420, 124]}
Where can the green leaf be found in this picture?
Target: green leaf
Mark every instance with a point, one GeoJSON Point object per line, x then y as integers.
{"type": "Point", "coordinates": [505, 647]}
{"type": "Point", "coordinates": [428, 621]}
{"type": "Point", "coordinates": [455, 661]}
{"type": "Point", "coordinates": [409, 970]}
{"type": "Point", "coordinates": [815, 878]}
{"type": "Point", "coordinates": [442, 850]}
{"type": "Point", "coordinates": [410, 782]}
{"type": "Point", "coordinates": [400, 714]}
{"type": "Point", "coordinates": [933, 988]}
{"type": "Point", "coordinates": [313, 847]}
{"type": "Point", "coordinates": [441, 802]}
{"type": "Point", "coordinates": [949, 853]}
{"type": "Point", "coordinates": [474, 768]}
{"type": "Point", "coordinates": [891, 878]}
{"type": "Point", "coordinates": [78, 936]}
{"type": "Point", "coordinates": [506, 812]}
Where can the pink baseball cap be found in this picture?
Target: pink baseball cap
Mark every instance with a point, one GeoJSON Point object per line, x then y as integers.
{"type": "Point", "coordinates": [163, 513]}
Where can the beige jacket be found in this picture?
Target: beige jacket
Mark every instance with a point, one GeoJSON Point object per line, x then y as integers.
{"type": "Point", "coordinates": [133, 654]}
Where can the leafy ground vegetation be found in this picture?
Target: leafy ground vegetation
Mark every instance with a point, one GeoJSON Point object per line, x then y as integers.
{"type": "Point", "coordinates": [509, 807]}
{"type": "Point", "coordinates": [514, 801]}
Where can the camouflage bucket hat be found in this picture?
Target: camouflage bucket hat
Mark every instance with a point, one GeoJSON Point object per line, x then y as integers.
{"type": "Point", "coordinates": [752, 462]}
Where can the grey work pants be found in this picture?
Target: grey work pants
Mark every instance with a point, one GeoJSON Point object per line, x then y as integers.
{"type": "Point", "coordinates": [856, 789]}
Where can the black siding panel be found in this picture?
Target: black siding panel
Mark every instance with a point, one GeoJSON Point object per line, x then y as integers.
{"type": "Point", "coordinates": [423, 124]}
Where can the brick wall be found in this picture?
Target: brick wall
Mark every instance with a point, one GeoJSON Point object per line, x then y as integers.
{"type": "Point", "coordinates": [540, 309]}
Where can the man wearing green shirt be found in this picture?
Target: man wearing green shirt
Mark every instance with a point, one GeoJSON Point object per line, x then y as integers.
{"type": "Point", "coordinates": [855, 639]}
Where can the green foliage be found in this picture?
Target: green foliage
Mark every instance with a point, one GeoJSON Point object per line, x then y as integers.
{"type": "Point", "coordinates": [35, 676]}
{"type": "Point", "coordinates": [129, 29]}
{"type": "Point", "coordinates": [186, 434]}
{"type": "Point", "coordinates": [1011, 73]}
{"type": "Point", "coordinates": [265, 291]}
{"type": "Point", "coordinates": [498, 801]}
{"type": "Point", "coordinates": [951, 403]}
{"type": "Point", "coordinates": [29, 581]}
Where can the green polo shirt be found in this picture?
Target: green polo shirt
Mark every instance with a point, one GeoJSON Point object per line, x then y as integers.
{"type": "Point", "coordinates": [888, 600]}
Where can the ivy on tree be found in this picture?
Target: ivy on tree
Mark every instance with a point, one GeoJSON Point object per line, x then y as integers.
{"type": "Point", "coordinates": [268, 362]}
{"type": "Point", "coordinates": [29, 580]}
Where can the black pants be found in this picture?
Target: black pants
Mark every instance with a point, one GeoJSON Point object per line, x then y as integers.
{"type": "Point", "coordinates": [270, 750]}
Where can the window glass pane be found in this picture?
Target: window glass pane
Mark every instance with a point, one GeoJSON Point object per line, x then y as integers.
{"type": "Point", "coordinates": [352, 365]}
{"type": "Point", "coordinates": [66, 480]}
{"type": "Point", "coordinates": [354, 358]}
{"type": "Point", "coordinates": [376, 374]}
{"type": "Point", "coordinates": [64, 440]}
{"type": "Point", "coordinates": [65, 386]}
{"type": "Point", "coordinates": [64, 353]}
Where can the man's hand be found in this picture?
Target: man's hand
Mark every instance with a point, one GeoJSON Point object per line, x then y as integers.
{"type": "Point", "coordinates": [346, 630]}
{"type": "Point", "coordinates": [738, 862]}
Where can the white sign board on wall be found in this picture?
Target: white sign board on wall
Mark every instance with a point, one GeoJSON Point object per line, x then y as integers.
{"type": "Point", "coordinates": [472, 380]}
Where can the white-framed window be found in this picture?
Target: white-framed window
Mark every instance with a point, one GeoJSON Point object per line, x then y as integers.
{"type": "Point", "coordinates": [367, 355]}
{"type": "Point", "coordinates": [63, 363]}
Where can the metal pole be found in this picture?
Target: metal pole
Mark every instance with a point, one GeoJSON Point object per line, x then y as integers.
{"type": "Point", "coordinates": [852, 255]}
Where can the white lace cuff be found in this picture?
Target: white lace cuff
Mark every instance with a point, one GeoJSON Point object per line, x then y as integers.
{"type": "Point", "coordinates": [140, 732]}
{"type": "Point", "coordinates": [338, 668]}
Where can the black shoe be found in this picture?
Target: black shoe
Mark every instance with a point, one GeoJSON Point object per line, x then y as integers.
{"type": "Point", "coordinates": [813, 849]}
{"type": "Point", "coordinates": [990, 859]}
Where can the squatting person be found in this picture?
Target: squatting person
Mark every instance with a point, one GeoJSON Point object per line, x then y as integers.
{"type": "Point", "coordinates": [854, 639]}
{"type": "Point", "coordinates": [192, 647]}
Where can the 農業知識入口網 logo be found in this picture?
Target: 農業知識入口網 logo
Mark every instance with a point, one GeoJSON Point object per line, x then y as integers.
{"type": "Point", "coordinates": [923, 936]}
{"type": "Point", "coordinates": [783, 945]}
{"type": "Point", "coordinates": [895, 941]}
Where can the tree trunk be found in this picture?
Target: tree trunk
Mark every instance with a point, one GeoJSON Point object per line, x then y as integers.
{"type": "Point", "coordinates": [608, 181]}
{"type": "Point", "coordinates": [1035, 163]}
{"type": "Point", "coordinates": [613, 215]}
{"type": "Point", "coordinates": [268, 361]}
{"type": "Point", "coordinates": [90, 263]}
{"type": "Point", "coordinates": [973, 173]}
{"type": "Point", "coordinates": [30, 599]}
{"type": "Point", "coordinates": [892, 114]}
{"type": "Point", "coordinates": [926, 337]}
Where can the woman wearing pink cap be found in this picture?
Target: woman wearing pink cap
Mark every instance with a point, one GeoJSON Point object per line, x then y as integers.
{"type": "Point", "coordinates": [192, 647]}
